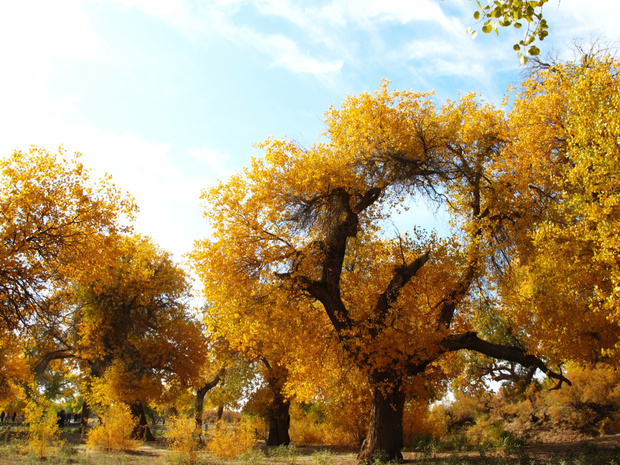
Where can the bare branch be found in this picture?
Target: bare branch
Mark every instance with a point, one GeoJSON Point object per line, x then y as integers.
{"type": "Point", "coordinates": [42, 364]}
{"type": "Point", "coordinates": [471, 341]}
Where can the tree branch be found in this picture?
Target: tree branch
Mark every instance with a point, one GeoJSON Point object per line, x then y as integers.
{"type": "Point", "coordinates": [448, 304]}
{"type": "Point", "coordinates": [471, 341]}
{"type": "Point", "coordinates": [403, 275]}
{"type": "Point", "coordinates": [42, 364]}
{"type": "Point", "coordinates": [211, 384]}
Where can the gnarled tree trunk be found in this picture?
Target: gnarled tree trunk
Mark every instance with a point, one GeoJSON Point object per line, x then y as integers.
{"type": "Point", "coordinates": [279, 422]}
{"type": "Point", "coordinates": [142, 430]}
{"type": "Point", "coordinates": [384, 439]}
{"type": "Point", "coordinates": [200, 397]}
{"type": "Point", "coordinates": [278, 416]}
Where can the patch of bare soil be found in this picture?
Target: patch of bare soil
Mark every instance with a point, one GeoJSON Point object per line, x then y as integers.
{"type": "Point", "coordinates": [601, 450]}
{"type": "Point", "coordinates": [560, 449]}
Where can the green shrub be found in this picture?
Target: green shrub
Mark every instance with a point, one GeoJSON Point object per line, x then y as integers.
{"type": "Point", "coordinates": [323, 457]}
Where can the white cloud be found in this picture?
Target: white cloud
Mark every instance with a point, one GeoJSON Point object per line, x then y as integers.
{"type": "Point", "coordinates": [285, 53]}
{"type": "Point", "coordinates": [339, 13]}
{"type": "Point", "coordinates": [213, 159]}
{"type": "Point", "coordinates": [330, 43]}
{"type": "Point", "coordinates": [322, 28]}
{"type": "Point", "coordinates": [168, 199]}
{"type": "Point", "coordinates": [283, 9]}
{"type": "Point", "coordinates": [174, 10]}
{"type": "Point", "coordinates": [401, 11]}
{"type": "Point", "coordinates": [35, 36]}
{"type": "Point", "coordinates": [420, 49]}
{"type": "Point", "coordinates": [449, 58]}
{"type": "Point", "coordinates": [326, 31]}
{"type": "Point", "coordinates": [305, 64]}
{"type": "Point", "coordinates": [37, 32]}
{"type": "Point", "coordinates": [589, 21]}
{"type": "Point", "coordinates": [281, 50]}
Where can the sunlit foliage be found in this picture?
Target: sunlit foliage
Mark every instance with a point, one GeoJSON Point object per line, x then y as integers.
{"type": "Point", "coordinates": [43, 431]}
{"type": "Point", "coordinates": [231, 440]}
{"type": "Point", "coordinates": [300, 246]}
{"type": "Point", "coordinates": [180, 436]}
{"type": "Point", "coordinates": [516, 13]}
{"type": "Point", "coordinates": [56, 225]}
{"type": "Point", "coordinates": [114, 431]}
{"type": "Point", "coordinates": [560, 180]}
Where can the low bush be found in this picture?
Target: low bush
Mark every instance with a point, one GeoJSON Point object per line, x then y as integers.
{"type": "Point", "coordinates": [230, 440]}
{"type": "Point", "coordinates": [287, 454]}
{"type": "Point", "coordinates": [43, 430]}
{"type": "Point", "coordinates": [114, 432]}
{"type": "Point", "coordinates": [180, 435]}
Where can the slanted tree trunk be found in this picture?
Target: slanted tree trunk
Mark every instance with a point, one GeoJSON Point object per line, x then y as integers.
{"type": "Point", "coordinates": [220, 413]}
{"type": "Point", "coordinates": [84, 419]}
{"type": "Point", "coordinates": [199, 407]}
{"type": "Point", "coordinates": [200, 397]}
{"type": "Point", "coordinates": [384, 439]}
{"type": "Point", "coordinates": [142, 430]}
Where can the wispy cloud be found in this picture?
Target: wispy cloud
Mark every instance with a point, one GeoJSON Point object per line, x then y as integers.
{"type": "Point", "coordinates": [286, 53]}
{"type": "Point", "coordinates": [173, 10]}
{"type": "Point", "coordinates": [396, 11]}
{"type": "Point", "coordinates": [213, 159]}
{"type": "Point", "coordinates": [331, 32]}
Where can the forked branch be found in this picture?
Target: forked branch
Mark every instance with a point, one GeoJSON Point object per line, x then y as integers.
{"type": "Point", "coordinates": [471, 341]}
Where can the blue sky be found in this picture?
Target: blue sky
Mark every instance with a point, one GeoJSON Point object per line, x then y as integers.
{"type": "Point", "coordinates": [168, 95]}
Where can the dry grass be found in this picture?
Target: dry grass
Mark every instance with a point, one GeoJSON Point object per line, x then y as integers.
{"type": "Point", "coordinates": [605, 449]}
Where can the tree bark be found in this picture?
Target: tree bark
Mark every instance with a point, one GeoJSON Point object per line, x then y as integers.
{"type": "Point", "coordinates": [200, 397]}
{"type": "Point", "coordinates": [471, 341]}
{"type": "Point", "coordinates": [141, 430]}
{"type": "Point", "coordinates": [278, 416]}
{"type": "Point", "coordinates": [384, 439]}
{"type": "Point", "coordinates": [279, 422]}
{"type": "Point", "coordinates": [84, 419]}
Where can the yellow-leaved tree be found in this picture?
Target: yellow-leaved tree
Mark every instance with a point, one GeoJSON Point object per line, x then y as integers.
{"type": "Point", "coordinates": [131, 335]}
{"type": "Point", "coordinates": [252, 314]}
{"type": "Point", "coordinates": [560, 178]}
{"type": "Point", "coordinates": [304, 233]}
{"type": "Point", "coordinates": [134, 334]}
{"type": "Point", "coordinates": [58, 227]}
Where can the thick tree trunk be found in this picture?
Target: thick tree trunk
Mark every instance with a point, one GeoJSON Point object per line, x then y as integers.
{"type": "Point", "coordinates": [384, 439]}
{"type": "Point", "coordinates": [278, 416]}
{"type": "Point", "coordinates": [279, 422]}
{"type": "Point", "coordinates": [142, 430]}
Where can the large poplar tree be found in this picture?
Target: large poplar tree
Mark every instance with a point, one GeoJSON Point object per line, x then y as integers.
{"type": "Point", "coordinates": [313, 225]}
